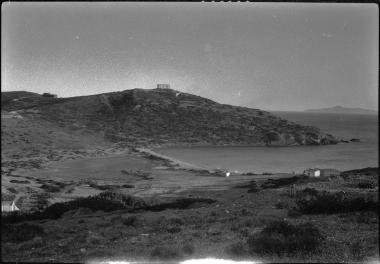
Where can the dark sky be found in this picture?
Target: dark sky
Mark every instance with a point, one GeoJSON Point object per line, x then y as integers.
{"type": "Point", "coordinates": [279, 56]}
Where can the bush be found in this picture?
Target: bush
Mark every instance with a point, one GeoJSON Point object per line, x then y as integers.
{"type": "Point", "coordinates": [188, 249]}
{"type": "Point", "coordinates": [12, 190]}
{"type": "Point", "coordinates": [237, 249]}
{"type": "Point", "coordinates": [253, 187]}
{"type": "Point", "coordinates": [20, 233]}
{"type": "Point", "coordinates": [130, 221]}
{"type": "Point", "coordinates": [358, 249]}
{"type": "Point", "coordinates": [50, 188]}
{"type": "Point", "coordinates": [17, 181]}
{"type": "Point", "coordinates": [311, 201]}
{"type": "Point", "coordinates": [277, 183]}
{"type": "Point", "coordinates": [281, 205]}
{"type": "Point", "coordinates": [176, 221]}
{"type": "Point", "coordinates": [181, 203]}
{"type": "Point", "coordinates": [280, 237]}
{"type": "Point", "coordinates": [165, 253]}
{"type": "Point", "coordinates": [174, 229]}
{"type": "Point", "coordinates": [366, 185]}
{"type": "Point", "coordinates": [105, 201]}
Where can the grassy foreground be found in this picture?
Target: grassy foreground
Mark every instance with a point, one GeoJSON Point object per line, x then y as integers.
{"type": "Point", "coordinates": [259, 221]}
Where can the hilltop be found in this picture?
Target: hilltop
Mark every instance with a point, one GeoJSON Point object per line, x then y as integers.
{"type": "Point", "coordinates": [344, 110]}
{"type": "Point", "coordinates": [163, 116]}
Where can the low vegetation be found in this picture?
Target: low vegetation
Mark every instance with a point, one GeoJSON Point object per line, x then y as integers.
{"type": "Point", "coordinates": [20, 233]}
{"type": "Point", "coordinates": [181, 203]}
{"type": "Point", "coordinates": [312, 201]}
{"type": "Point", "coordinates": [19, 181]}
{"type": "Point", "coordinates": [106, 201]}
{"type": "Point", "coordinates": [166, 253]}
{"type": "Point", "coordinates": [108, 187]}
{"type": "Point", "coordinates": [252, 186]}
{"type": "Point", "coordinates": [281, 237]}
{"type": "Point", "coordinates": [277, 183]}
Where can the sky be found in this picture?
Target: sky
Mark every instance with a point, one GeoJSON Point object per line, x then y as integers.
{"type": "Point", "coordinates": [273, 56]}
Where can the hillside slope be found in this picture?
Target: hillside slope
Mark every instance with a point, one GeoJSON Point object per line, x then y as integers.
{"type": "Point", "coordinates": [165, 116]}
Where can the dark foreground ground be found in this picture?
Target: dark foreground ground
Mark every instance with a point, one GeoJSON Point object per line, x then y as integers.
{"type": "Point", "coordinates": [334, 220]}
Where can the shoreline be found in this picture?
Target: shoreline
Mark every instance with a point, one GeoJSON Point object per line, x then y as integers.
{"type": "Point", "coordinates": [260, 145]}
{"type": "Point", "coordinates": [174, 162]}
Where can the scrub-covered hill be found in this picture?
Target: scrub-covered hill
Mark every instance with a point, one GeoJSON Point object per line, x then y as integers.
{"type": "Point", "coordinates": [165, 116]}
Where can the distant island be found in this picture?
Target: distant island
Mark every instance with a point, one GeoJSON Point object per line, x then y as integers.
{"type": "Point", "coordinates": [343, 110]}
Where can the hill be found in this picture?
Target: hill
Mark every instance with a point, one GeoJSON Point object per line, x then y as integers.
{"type": "Point", "coordinates": [8, 97]}
{"type": "Point", "coordinates": [164, 116]}
{"type": "Point", "coordinates": [344, 110]}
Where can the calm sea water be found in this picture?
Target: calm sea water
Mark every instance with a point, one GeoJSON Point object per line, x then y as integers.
{"type": "Point", "coordinates": [288, 159]}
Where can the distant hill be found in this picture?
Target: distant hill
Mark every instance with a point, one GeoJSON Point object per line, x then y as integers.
{"type": "Point", "coordinates": [344, 110]}
{"type": "Point", "coordinates": [165, 116]}
{"type": "Point", "coordinates": [7, 97]}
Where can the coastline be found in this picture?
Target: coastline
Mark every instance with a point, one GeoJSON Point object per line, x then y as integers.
{"type": "Point", "coordinates": [174, 162]}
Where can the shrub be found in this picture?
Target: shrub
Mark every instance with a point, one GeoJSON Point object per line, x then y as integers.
{"type": "Point", "coordinates": [188, 249]}
{"type": "Point", "coordinates": [130, 221]}
{"type": "Point", "coordinates": [281, 205]}
{"type": "Point", "coordinates": [174, 229]}
{"type": "Point", "coordinates": [358, 249]}
{"type": "Point", "coordinates": [176, 221]}
{"type": "Point", "coordinates": [294, 213]}
{"type": "Point", "coordinates": [253, 187]}
{"type": "Point", "coordinates": [311, 201]}
{"type": "Point", "coordinates": [245, 212]}
{"type": "Point", "coordinates": [367, 217]}
{"type": "Point", "coordinates": [105, 201]}
{"type": "Point", "coordinates": [366, 185]}
{"type": "Point", "coordinates": [181, 203]}
{"type": "Point", "coordinates": [127, 186]}
{"type": "Point", "coordinates": [12, 190]}
{"type": "Point", "coordinates": [237, 249]}
{"type": "Point", "coordinates": [20, 233]}
{"type": "Point", "coordinates": [280, 237]}
{"type": "Point", "coordinates": [17, 181]}
{"type": "Point", "coordinates": [50, 188]}
{"type": "Point", "coordinates": [165, 253]}
{"type": "Point", "coordinates": [277, 183]}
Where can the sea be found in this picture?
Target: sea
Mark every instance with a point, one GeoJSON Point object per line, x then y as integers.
{"type": "Point", "coordinates": [343, 156]}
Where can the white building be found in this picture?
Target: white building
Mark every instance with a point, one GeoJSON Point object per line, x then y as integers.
{"type": "Point", "coordinates": [312, 172]}
{"type": "Point", "coordinates": [321, 172]}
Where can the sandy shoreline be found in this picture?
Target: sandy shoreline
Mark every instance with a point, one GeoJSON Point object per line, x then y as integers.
{"type": "Point", "coordinates": [175, 162]}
